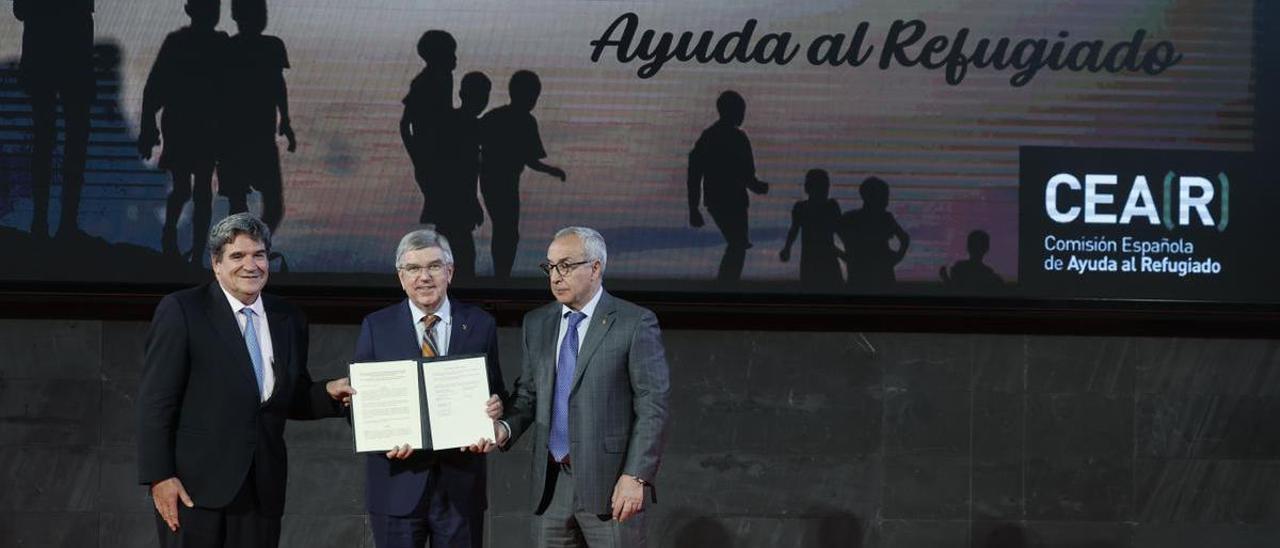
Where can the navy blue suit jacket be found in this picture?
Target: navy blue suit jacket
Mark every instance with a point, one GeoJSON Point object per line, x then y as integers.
{"type": "Point", "coordinates": [394, 488]}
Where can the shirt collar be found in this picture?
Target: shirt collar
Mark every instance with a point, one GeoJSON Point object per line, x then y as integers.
{"type": "Point", "coordinates": [445, 312]}
{"type": "Point", "coordinates": [236, 305]}
{"type": "Point", "coordinates": [589, 310]}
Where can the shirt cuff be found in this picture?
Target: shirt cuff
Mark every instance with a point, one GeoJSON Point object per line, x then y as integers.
{"type": "Point", "coordinates": [506, 427]}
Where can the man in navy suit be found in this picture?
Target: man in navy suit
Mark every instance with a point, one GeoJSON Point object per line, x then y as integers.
{"type": "Point", "coordinates": [416, 498]}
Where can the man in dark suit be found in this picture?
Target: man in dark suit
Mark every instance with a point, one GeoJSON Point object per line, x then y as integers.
{"type": "Point", "coordinates": [593, 390]}
{"type": "Point", "coordinates": [225, 365]}
{"type": "Point", "coordinates": [436, 497]}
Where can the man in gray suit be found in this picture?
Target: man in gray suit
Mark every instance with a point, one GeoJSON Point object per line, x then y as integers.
{"type": "Point", "coordinates": [594, 391]}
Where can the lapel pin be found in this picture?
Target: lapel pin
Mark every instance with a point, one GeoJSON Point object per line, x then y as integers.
{"type": "Point", "coordinates": [464, 327]}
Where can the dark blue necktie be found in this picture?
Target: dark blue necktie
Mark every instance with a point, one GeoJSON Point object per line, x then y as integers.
{"type": "Point", "coordinates": [566, 366]}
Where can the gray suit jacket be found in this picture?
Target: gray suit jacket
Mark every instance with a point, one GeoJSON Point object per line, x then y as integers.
{"type": "Point", "coordinates": [617, 407]}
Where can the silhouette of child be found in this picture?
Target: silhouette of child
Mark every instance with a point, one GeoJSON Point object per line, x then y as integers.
{"type": "Point", "coordinates": [509, 142]}
{"type": "Point", "coordinates": [866, 233]}
{"type": "Point", "coordinates": [814, 220]}
{"type": "Point", "coordinates": [428, 114]}
{"type": "Point", "coordinates": [455, 207]}
{"type": "Point", "coordinates": [971, 274]}
{"type": "Point", "coordinates": [722, 169]}
{"type": "Point", "coordinates": [183, 86]}
{"type": "Point", "coordinates": [256, 109]}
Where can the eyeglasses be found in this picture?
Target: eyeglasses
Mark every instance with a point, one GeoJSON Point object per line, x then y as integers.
{"type": "Point", "coordinates": [414, 270]}
{"type": "Point", "coordinates": [564, 268]}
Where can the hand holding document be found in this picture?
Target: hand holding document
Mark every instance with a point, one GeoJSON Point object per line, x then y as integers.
{"type": "Point", "coordinates": [388, 409]}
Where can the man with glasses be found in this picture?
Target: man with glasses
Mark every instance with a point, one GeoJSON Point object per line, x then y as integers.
{"type": "Point", "coordinates": [593, 389]}
{"type": "Point", "coordinates": [426, 497]}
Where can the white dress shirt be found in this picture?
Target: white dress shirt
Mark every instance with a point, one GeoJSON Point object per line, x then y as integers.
{"type": "Point", "coordinates": [263, 330]}
{"type": "Point", "coordinates": [441, 330]}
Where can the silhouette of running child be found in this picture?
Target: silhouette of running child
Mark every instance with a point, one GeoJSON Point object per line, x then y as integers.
{"type": "Point", "coordinates": [256, 109]}
{"type": "Point", "coordinates": [509, 142]}
{"type": "Point", "coordinates": [971, 274]}
{"type": "Point", "coordinates": [455, 206]}
{"type": "Point", "coordinates": [57, 63]}
{"type": "Point", "coordinates": [722, 169]}
{"type": "Point", "coordinates": [184, 87]}
{"type": "Point", "coordinates": [815, 220]}
{"type": "Point", "coordinates": [865, 233]}
{"type": "Point", "coordinates": [426, 126]}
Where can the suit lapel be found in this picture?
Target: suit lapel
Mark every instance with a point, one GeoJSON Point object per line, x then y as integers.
{"type": "Point", "coordinates": [225, 325]}
{"type": "Point", "coordinates": [550, 332]}
{"type": "Point", "coordinates": [460, 332]}
{"type": "Point", "coordinates": [281, 344]}
{"type": "Point", "coordinates": [601, 322]}
{"type": "Point", "coordinates": [406, 333]}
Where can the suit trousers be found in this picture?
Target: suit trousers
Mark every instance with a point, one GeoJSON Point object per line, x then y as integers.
{"type": "Point", "coordinates": [437, 522]}
{"type": "Point", "coordinates": [560, 526]}
{"type": "Point", "coordinates": [239, 524]}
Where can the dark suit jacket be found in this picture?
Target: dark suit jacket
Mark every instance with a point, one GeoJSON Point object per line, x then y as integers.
{"type": "Point", "coordinates": [394, 488]}
{"type": "Point", "coordinates": [199, 414]}
{"type": "Point", "coordinates": [617, 405]}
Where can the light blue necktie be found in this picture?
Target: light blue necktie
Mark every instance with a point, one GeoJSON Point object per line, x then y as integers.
{"type": "Point", "coordinates": [566, 366]}
{"type": "Point", "coordinates": [251, 341]}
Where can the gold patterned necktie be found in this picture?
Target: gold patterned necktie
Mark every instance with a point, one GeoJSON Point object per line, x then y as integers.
{"type": "Point", "coordinates": [429, 349]}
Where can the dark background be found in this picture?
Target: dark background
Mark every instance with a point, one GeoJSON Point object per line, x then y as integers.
{"type": "Point", "coordinates": [778, 438]}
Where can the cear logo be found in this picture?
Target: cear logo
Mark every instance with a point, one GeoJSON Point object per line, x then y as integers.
{"type": "Point", "coordinates": [1194, 194]}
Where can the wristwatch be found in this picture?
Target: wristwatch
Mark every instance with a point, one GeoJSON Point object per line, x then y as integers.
{"type": "Point", "coordinates": [642, 483]}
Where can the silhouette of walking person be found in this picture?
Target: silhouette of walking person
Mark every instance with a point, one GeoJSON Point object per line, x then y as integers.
{"type": "Point", "coordinates": [971, 275]}
{"type": "Point", "coordinates": [255, 111]}
{"type": "Point", "coordinates": [815, 220]}
{"type": "Point", "coordinates": [184, 87]}
{"type": "Point", "coordinates": [456, 210]}
{"type": "Point", "coordinates": [57, 63]}
{"type": "Point", "coordinates": [510, 142]}
{"type": "Point", "coordinates": [426, 124]}
{"type": "Point", "coordinates": [865, 233]}
{"type": "Point", "coordinates": [722, 169]}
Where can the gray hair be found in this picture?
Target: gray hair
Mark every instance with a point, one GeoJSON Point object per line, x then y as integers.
{"type": "Point", "coordinates": [228, 228]}
{"type": "Point", "coordinates": [423, 239]}
{"type": "Point", "coordinates": [592, 243]}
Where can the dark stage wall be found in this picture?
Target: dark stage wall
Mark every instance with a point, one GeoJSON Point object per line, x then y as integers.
{"type": "Point", "coordinates": [778, 439]}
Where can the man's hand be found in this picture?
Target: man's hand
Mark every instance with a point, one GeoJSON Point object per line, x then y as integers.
{"type": "Point", "coordinates": [483, 445]}
{"type": "Point", "coordinates": [486, 445]}
{"type": "Point", "coordinates": [557, 173]}
{"type": "Point", "coordinates": [165, 495]}
{"type": "Point", "coordinates": [400, 452]}
{"type": "Point", "coordinates": [695, 219]}
{"type": "Point", "coordinates": [628, 497]}
{"type": "Point", "coordinates": [493, 407]}
{"type": "Point", "coordinates": [340, 389]}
